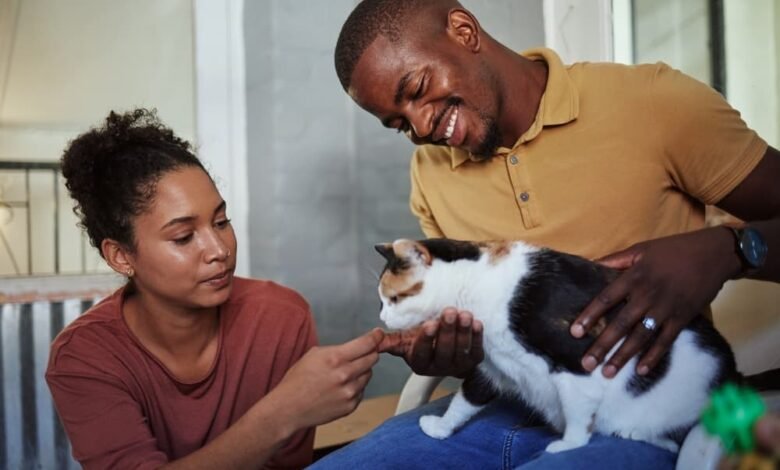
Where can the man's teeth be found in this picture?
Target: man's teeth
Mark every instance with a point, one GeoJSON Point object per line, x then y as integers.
{"type": "Point", "coordinates": [451, 124]}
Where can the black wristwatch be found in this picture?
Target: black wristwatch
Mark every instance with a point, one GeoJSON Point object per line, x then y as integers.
{"type": "Point", "coordinates": [751, 248]}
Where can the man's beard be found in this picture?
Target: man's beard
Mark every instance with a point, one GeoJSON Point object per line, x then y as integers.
{"type": "Point", "coordinates": [486, 149]}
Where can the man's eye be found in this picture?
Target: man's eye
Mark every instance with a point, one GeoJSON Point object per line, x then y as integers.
{"type": "Point", "coordinates": [419, 91]}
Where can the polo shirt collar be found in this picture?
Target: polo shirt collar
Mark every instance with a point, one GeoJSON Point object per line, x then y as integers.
{"type": "Point", "coordinates": [559, 104]}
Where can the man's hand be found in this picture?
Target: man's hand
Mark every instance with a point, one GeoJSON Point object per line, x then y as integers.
{"type": "Point", "coordinates": [669, 280]}
{"type": "Point", "coordinates": [449, 346]}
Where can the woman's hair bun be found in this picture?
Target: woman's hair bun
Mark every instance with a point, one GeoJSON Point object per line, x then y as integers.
{"type": "Point", "coordinates": [111, 171]}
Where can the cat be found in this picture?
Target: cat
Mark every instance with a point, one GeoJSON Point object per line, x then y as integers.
{"type": "Point", "coordinates": [526, 298]}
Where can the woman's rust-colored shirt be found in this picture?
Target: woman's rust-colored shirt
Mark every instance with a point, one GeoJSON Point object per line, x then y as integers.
{"type": "Point", "coordinates": [122, 408]}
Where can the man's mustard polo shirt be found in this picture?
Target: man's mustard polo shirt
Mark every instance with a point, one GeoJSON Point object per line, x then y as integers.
{"type": "Point", "coordinates": [616, 155]}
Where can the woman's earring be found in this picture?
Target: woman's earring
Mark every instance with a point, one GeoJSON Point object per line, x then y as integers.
{"type": "Point", "coordinates": [130, 273]}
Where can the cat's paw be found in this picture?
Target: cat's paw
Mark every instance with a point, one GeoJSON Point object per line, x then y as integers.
{"type": "Point", "coordinates": [561, 445]}
{"type": "Point", "coordinates": [435, 427]}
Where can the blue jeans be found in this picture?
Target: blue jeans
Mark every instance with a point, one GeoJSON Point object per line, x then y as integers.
{"type": "Point", "coordinates": [504, 435]}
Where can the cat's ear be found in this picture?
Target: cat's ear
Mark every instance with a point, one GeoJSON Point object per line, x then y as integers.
{"type": "Point", "coordinates": [410, 249]}
{"type": "Point", "coordinates": [386, 250]}
{"type": "Point", "coordinates": [424, 253]}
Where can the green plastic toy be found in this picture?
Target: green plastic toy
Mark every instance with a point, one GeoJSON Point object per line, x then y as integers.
{"type": "Point", "coordinates": [731, 415]}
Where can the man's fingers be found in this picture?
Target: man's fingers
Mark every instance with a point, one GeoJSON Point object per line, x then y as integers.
{"type": "Point", "coordinates": [616, 329]}
{"type": "Point", "coordinates": [621, 260]}
{"type": "Point", "coordinates": [612, 295]}
{"type": "Point", "coordinates": [463, 339]}
{"type": "Point", "coordinates": [477, 350]}
{"type": "Point", "coordinates": [421, 354]}
{"type": "Point", "coordinates": [630, 347]}
{"type": "Point", "coordinates": [661, 345]}
{"type": "Point", "coordinates": [444, 353]}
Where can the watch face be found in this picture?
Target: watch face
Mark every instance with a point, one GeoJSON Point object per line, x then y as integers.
{"type": "Point", "coordinates": [753, 247]}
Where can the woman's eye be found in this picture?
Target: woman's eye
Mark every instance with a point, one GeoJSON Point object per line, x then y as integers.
{"type": "Point", "coordinates": [223, 223]}
{"type": "Point", "coordinates": [183, 240]}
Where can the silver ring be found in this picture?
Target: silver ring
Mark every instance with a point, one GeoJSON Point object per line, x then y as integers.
{"type": "Point", "coordinates": [649, 323]}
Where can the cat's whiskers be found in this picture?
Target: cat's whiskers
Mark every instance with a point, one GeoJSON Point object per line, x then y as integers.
{"type": "Point", "coordinates": [373, 272]}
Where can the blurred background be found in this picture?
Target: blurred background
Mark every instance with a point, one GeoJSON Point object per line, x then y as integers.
{"type": "Point", "coordinates": [312, 182]}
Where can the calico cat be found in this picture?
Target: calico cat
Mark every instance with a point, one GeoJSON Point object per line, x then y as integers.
{"type": "Point", "coordinates": [526, 298]}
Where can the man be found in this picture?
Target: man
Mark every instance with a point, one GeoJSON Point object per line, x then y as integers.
{"type": "Point", "coordinates": [601, 160]}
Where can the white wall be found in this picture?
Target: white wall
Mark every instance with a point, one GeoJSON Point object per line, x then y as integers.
{"type": "Point", "coordinates": [579, 30]}
{"type": "Point", "coordinates": [675, 32]}
{"type": "Point", "coordinates": [63, 66]}
{"type": "Point", "coordinates": [752, 63]}
{"type": "Point", "coordinates": [70, 62]}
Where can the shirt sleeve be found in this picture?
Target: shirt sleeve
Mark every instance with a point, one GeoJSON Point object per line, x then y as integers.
{"type": "Point", "coordinates": [104, 423]}
{"type": "Point", "coordinates": [418, 204]}
{"type": "Point", "coordinates": [708, 148]}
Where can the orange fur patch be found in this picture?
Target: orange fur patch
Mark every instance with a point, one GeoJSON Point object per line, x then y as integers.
{"type": "Point", "coordinates": [497, 251]}
{"type": "Point", "coordinates": [398, 285]}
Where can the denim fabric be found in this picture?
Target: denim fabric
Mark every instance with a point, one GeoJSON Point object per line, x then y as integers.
{"type": "Point", "coordinates": [505, 435]}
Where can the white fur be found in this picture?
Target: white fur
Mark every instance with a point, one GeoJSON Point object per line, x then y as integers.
{"type": "Point", "coordinates": [573, 404]}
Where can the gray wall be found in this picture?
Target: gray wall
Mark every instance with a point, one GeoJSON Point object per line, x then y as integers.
{"type": "Point", "coordinates": [326, 180]}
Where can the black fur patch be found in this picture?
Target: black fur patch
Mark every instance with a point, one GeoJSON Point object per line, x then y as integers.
{"type": "Point", "coordinates": [477, 389]}
{"type": "Point", "coordinates": [394, 264]}
{"type": "Point", "coordinates": [639, 384]}
{"type": "Point", "coordinates": [451, 250]}
{"type": "Point", "coordinates": [549, 298]}
{"type": "Point", "coordinates": [678, 435]}
{"type": "Point", "coordinates": [709, 339]}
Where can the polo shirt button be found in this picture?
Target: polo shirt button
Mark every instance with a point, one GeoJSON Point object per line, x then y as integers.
{"type": "Point", "coordinates": [513, 160]}
{"type": "Point", "coordinates": [524, 196]}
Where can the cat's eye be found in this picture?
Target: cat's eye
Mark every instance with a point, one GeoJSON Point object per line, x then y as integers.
{"type": "Point", "coordinates": [393, 299]}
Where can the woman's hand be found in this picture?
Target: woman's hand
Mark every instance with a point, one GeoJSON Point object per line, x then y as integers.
{"type": "Point", "coordinates": [448, 346]}
{"type": "Point", "coordinates": [665, 284]}
{"type": "Point", "coordinates": [327, 382]}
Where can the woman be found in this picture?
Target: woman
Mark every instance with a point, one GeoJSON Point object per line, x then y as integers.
{"type": "Point", "coordinates": [185, 366]}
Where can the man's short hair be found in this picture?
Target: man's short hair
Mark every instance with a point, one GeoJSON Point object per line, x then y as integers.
{"type": "Point", "coordinates": [369, 19]}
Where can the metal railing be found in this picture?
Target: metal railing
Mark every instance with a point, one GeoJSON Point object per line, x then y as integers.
{"type": "Point", "coordinates": [19, 173]}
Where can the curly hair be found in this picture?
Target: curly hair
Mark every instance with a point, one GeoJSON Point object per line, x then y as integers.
{"type": "Point", "coordinates": [112, 172]}
{"type": "Point", "coordinates": [372, 18]}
